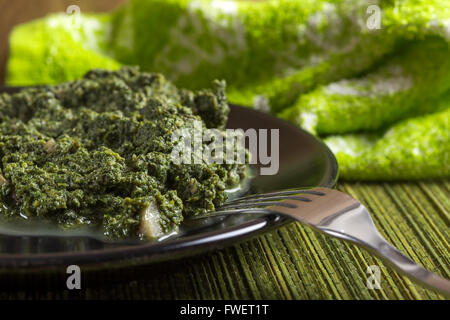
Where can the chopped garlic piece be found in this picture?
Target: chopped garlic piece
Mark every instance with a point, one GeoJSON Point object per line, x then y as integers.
{"type": "Point", "coordinates": [49, 146]}
{"type": "Point", "coordinates": [150, 218]}
{"type": "Point", "coordinates": [3, 180]}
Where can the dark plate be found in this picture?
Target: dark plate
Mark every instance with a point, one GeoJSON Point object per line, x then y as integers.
{"type": "Point", "coordinates": [304, 162]}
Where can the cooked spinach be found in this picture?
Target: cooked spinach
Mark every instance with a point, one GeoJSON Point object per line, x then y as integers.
{"type": "Point", "coordinates": [96, 153]}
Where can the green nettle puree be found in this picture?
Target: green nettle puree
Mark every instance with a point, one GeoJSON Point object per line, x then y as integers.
{"type": "Point", "coordinates": [376, 92]}
{"type": "Point", "coordinates": [96, 153]}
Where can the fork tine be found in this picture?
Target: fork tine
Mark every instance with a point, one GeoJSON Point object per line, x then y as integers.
{"type": "Point", "coordinates": [230, 212]}
{"type": "Point", "coordinates": [256, 204]}
{"type": "Point", "coordinates": [269, 198]}
{"type": "Point", "coordinates": [280, 194]}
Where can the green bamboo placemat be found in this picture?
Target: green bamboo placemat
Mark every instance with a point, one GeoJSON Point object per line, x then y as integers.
{"type": "Point", "coordinates": [292, 262]}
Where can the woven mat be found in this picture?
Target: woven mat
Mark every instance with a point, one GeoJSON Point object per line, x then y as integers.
{"type": "Point", "coordinates": [292, 262]}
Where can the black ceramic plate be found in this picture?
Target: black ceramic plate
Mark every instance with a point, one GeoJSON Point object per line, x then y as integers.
{"type": "Point", "coordinates": [304, 162]}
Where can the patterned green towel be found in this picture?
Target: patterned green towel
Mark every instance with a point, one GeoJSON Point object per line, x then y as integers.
{"type": "Point", "coordinates": [370, 77]}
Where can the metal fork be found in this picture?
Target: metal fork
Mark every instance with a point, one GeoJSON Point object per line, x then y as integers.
{"type": "Point", "coordinates": [336, 214]}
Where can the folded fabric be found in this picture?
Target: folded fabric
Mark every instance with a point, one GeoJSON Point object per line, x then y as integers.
{"type": "Point", "coordinates": [370, 77]}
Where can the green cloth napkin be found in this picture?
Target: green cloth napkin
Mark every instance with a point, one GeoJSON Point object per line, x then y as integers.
{"type": "Point", "coordinates": [379, 97]}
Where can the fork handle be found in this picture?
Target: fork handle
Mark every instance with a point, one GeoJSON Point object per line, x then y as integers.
{"type": "Point", "coordinates": [357, 226]}
{"type": "Point", "coordinates": [352, 222]}
{"type": "Point", "coordinates": [398, 260]}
